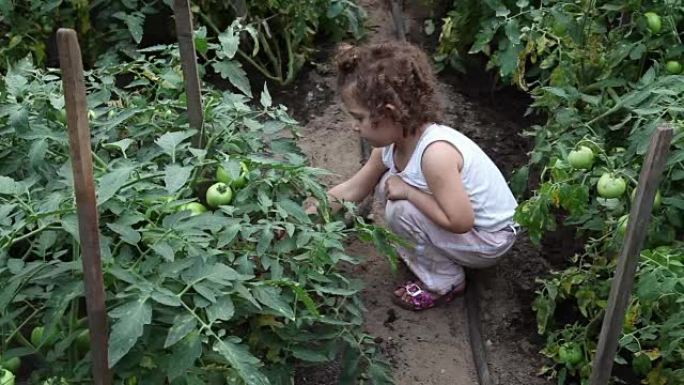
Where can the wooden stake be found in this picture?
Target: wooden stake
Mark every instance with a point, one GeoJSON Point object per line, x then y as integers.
{"type": "Point", "coordinates": [86, 205]}
{"type": "Point", "coordinates": [186, 43]}
{"type": "Point", "coordinates": [621, 288]}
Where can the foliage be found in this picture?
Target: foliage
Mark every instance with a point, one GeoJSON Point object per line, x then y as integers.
{"type": "Point", "coordinates": [235, 295]}
{"type": "Point", "coordinates": [283, 32]}
{"type": "Point", "coordinates": [597, 72]}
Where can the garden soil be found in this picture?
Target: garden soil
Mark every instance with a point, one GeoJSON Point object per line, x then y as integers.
{"type": "Point", "coordinates": [430, 347]}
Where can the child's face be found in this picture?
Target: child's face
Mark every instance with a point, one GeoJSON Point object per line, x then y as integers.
{"type": "Point", "coordinates": [383, 133]}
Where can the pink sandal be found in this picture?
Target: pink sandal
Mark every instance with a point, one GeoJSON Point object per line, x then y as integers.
{"type": "Point", "coordinates": [420, 299]}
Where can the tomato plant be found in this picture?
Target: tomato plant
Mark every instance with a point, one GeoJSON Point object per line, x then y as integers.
{"type": "Point", "coordinates": [190, 298]}
{"type": "Point", "coordinates": [603, 75]}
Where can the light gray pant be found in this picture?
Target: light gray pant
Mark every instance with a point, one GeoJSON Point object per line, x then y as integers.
{"type": "Point", "coordinates": [439, 255]}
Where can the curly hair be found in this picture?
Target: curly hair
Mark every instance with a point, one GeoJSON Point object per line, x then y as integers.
{"type": "Point", "coordinates": [395, 73]}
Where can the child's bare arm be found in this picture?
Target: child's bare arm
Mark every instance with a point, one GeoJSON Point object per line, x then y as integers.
{"type": "Point", "coordinates": [441, 166]}
{"type": "Point", "coordinates": [356, 188]}
{"type": "Point", "coordinates": [449, 205]}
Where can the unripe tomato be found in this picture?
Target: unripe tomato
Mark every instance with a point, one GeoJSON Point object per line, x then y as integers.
{"type": "Point", "coordinates": [610, 186]}
{"type": "Point", "coordinates": [219, 194]}
{"type": "Point", "coordinates": [582, 158]}
{"type": "Point", "coordinates": [653, 22]}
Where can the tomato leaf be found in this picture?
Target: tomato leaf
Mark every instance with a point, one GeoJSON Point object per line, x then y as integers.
{"type": "Point", "coordinates": [242, 361]}
{"type": "Point", "coordinates": [176, 177]}
{"type": "Point", "coordinates": [182, 326]}
{"type": "Point", "coordinates": [233, 71]}
{"type": "Point", "coordinates": [132, 317]}
{"type": "Point", "coordinates": [270, 296]}
{"type": "Point", "coordinates": [110, 183]}
{"type": "Point", "coordinates": [223, 309]}
{"type": "Point", "coordinates": [184, 354]}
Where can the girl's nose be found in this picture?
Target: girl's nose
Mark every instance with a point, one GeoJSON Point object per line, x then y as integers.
{"type": "Point", "coordinates": [356, 127]}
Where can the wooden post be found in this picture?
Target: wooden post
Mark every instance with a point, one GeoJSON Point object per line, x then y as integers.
{"type": "Point", "coordinates": [86, 205]}
{"type": "Point", "coordinates": [186, 43]}
{"type": "Point", "coordinates": [621, 287]}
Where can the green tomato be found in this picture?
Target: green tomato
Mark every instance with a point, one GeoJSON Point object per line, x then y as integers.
{"type": "Point", "coordinates": [622, 224]}
{"type": "Point", "coordinates": [224, 177]}
{"type": "Point", "coordinates": [559, 28]}
{"type": "Point", "coordinates": [673, 67]}
{"type": "Point", "coordinates": [37, 337]}
{"type": "Point", "coordinates": [582, 158]}
{"type": "Point", "coordinates": [195, 208]}
{"type": "Point", "coordinates": [6, 377]}
{"type": "Point", "coordinates": [12, 364]}
{"type": "Point", "coordinates": [219, 194]}
{"type": "Point", "coordinates": [656, 201]}
{"type": "Point", "coordinates": [610, 186]}
{"type": "Point", "coordinates": [570, 353]}
{"type": "Point", "coordinates": [653, 21]}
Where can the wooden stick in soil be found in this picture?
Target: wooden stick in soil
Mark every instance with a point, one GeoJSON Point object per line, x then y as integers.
{"type": "Point", "coordinates": [186, 44]}
{"type": "Point", "coordinates": [621, 287]}
{"type": "Point", "coordinates": [86, 205]}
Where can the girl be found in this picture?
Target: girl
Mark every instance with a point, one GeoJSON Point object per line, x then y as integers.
{"type": "Point", "coordinates": [441, 191]}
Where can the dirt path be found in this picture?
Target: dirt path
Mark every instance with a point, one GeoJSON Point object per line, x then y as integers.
{"type": "Point", "coordinates": [428, 348]}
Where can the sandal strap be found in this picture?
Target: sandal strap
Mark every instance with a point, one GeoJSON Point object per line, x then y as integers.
{"type": "Point", "coordinates": [413, 289]}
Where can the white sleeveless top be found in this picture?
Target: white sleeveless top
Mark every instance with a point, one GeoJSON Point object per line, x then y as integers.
{"type": "Point", "coordinates": [492, 200]}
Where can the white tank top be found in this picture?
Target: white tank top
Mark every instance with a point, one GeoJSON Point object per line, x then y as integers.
{"type": "Point", "coordinates": [492, 200]}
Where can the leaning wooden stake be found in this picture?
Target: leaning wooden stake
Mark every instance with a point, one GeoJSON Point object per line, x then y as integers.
{"type": "Point", "coordinates": [621, 288]}
{"type": "Point", "coordinates": [186, 43]}
{"type": "Point", "coordinates": [84, 187]}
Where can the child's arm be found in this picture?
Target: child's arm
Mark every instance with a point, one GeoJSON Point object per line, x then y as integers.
{"type": "Point", "coordinates": [449, 205]}
{"type": "Point", "coordinates": [356, 188]}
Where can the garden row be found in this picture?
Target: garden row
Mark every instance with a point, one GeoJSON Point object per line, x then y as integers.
{"type": "Point", "coordinates": [603, 74]}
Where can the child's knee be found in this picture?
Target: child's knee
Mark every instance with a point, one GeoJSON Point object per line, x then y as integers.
{"type": "Point", "coordinates": [402, 216]}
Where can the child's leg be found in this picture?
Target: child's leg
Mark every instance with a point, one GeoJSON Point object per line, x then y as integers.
{"type": "Point", "coordinates": [439, 255]}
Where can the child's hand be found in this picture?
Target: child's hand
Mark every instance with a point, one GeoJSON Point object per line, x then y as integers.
{"type": "Point", "coordinates": [396, 188]}
{"type": "Point", "coordinates": [311, 205]}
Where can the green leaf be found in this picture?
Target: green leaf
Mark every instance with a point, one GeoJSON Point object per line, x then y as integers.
{"type": "Point", "coordinates": [171, 140]}
{"type": "Point", "coordinates": [295, 209]}
{"type": "Point", "coordinates": [512, 30]}
{"type": "Point", "coordinates": [8, 186]}
{"type": "Point", "coordinates": [184, 355]}
{"type": "Point", "coordinates": [165, 297]}
{"type": "Point", "coordinates": [227, 236]}
{"type": "Point", "coordinates": [229, 43]}
{"type": "Point", "coordinates": [351, 357]}
{"type": "Point", "coordinates": [380, 373]}
{"type": "Point", "coordinates": [502, 11]}
{"type": "Point", "coordinates": [303, 296]}
{"type": "Point", "coordinates": [132, 317]}
{"type": "Point", "coordinates": [270, 297]}
{"type": "Point", "coordinates": [223, 309]}
{"type": "Point", "coordinates": [128, 234]}
{"type": "Point", "coordinates": [519, 181]}
{"type": "Point", "coordinates": [110, 183]}
{"type": "Point", "coordinates": [509, 59]}
{"type": "Point", "coordinates": [309, 355]}
{"type": "Point", "coordinates": [242, 361]}
{"type": "Point", "coordinates": [265, 240]}
{"type": "Point", "coordinates": [164, 250]}
{"type": "Point", "coordinates": [176, 177]}
{"type": "Point", "coordinates": [134, 22]}
{"type": "Point", "coordinates": [233, 71]}
{"type": "Point", "coordinates": [265, 97]}
{"type": "Point", "coordinates": [182, 326]}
